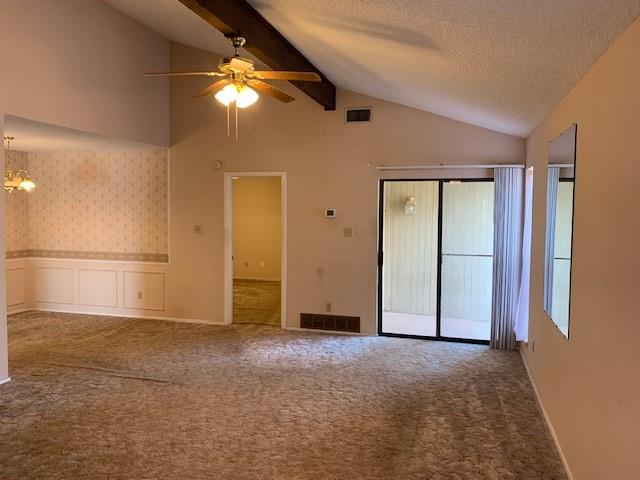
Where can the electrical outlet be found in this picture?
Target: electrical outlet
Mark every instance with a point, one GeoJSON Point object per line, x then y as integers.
{"type": "Point", "coordinates": [327, 307]}
{"type": "Point", "coordinates": [261, 263]}
{"type": "Point", "coordinates": [246, 264]}
{"type": "Point", "coordinates": [139, 294]}
{"type": "Point", "coordinates": [197, 229]}
{"type": "Point", "coordinates": [347, 232]}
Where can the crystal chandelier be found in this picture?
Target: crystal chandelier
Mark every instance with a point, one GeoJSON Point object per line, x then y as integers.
{"type": "Point", "coordinates": [18, 180]}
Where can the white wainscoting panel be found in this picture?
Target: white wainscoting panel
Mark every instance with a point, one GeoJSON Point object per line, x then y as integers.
{"type": "Point", "coordinates": [16, 278]}
{"type": "Point", "coordinates": [98, 288]}
{"type": "Point", "coordinates": [54, 285]}
{"type": "Point", "coordinates": [144, 290]}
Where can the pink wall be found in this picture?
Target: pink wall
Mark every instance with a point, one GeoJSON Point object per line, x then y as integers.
{"type": "Point", "coordinates": [326, 165]}
{"type": "Point", "coordinates": [79, 64]}
{"type": "Point", "coordinates": [590, 384]}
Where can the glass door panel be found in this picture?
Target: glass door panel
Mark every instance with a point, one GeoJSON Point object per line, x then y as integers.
{"type": "Point", "coordinates": [467, 260]}
{"type": "Point", "coordinates": [410, 268]}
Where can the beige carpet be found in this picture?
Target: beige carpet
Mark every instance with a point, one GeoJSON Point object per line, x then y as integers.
{"type": "Point", "coordinates": [107, 398]}
{"type": "Point", "coordinates": [256, 301]}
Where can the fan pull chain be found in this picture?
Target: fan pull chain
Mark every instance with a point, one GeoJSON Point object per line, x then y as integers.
{"type": "Point", "coordinates": [236, 104]}
{"type": "Point", "coordinates": [228, 122]}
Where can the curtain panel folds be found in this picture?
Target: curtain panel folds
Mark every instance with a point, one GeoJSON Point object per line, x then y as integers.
{"type": "Point", "coordinates": [522, 313]}
{"type": "Point", "coordinates": [507, 247]}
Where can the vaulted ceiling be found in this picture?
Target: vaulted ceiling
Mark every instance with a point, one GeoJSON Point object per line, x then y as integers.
{"type": "Point", "coordinates": [499, 64]}
{"type": "Point", "coordinates": [32, 136]}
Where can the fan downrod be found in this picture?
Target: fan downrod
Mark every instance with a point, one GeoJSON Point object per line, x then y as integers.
{"type": "Point", "coordinates": [237, 41]}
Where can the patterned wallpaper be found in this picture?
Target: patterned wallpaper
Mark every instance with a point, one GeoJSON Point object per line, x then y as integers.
{"type": "Point", "coordinates": [16, 213]}
{"type": "Point", "coordinates": [109, 205]}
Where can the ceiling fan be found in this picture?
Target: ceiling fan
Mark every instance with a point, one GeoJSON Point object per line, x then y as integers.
{"type": "Point", "coordinates": [238, 79]}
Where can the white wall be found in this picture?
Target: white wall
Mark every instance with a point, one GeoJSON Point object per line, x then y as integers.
{"type": "Point", "coordinates": [589, 385]}
{"type": "Point", "coordinates": [257, 227]}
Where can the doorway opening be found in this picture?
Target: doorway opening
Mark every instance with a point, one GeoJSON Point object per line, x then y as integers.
{"type": "Point", "coordinates": [435, 259]}
{"type": "Point", "coordinates": [255, 248]}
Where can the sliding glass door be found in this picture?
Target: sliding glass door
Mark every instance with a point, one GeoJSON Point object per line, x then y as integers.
{"type": "Point", "coordinates": [410, 238]}
{"type": "Point", "coordinates": [467, 260]}
{"type": "Point", "coordinates": [436, 259]}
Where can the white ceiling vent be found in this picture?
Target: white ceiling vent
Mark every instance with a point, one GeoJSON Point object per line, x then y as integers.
{"type": "Point", "coordinates": [357, 115]}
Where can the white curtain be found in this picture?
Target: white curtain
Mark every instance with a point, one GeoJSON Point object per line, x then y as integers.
{"type": "Point", "coordinates": [506, 261]}
{"type": "Point", "coordinates": [522, 312]}
{"type": "Point", "coordinates": [550, 238]}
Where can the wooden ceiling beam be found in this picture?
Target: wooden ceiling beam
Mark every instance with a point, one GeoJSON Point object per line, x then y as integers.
{"type": "Point", "coordinates": [237, 17]}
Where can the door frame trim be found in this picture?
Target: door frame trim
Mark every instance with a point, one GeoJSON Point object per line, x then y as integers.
{"type": "Point", "coordinates": [441, 182]}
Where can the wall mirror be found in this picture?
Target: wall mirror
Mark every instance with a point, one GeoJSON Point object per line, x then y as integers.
{"type": "Point", "coordinates": [559, 232]}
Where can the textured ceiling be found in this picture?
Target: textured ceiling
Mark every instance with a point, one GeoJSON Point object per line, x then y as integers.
{"type": "Point", "coordinates": [32, 136]}
{"type": "Point", "coordinates": [174, 21]}
{"type": "Point", "coordinates": [500, 64]}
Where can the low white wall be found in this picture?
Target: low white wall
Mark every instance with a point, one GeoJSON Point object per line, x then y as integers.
{"type": "Point", "coordinates": [129, 289]}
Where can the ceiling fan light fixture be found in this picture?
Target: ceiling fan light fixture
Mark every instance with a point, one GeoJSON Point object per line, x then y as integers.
{"type": "Point", "coordinates": [246, 96]}
{"type": "Point", "coordinates": [227, 95]}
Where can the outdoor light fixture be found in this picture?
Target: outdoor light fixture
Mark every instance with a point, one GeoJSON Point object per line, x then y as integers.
{"type": "Point", "coordinates": [410, 205]}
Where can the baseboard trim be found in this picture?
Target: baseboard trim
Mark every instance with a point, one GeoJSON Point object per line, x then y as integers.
{"type": "Point", "coordinates": [6, 380]}
{"type": "Point", "coordinates": [331, 332]}
{"type": "Point", "coordinates": [546, 418]}
{"type": "Point", "coordinates": [20, 310]}
{"type": "Point", "coordinates": [123, 315]}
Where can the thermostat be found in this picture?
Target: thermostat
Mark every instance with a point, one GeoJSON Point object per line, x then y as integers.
{"type": "Point", "coordinates": [330, 213]}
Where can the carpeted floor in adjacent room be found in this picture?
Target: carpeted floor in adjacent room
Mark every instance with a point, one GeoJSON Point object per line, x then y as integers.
{"type": "Point", "coordinates": [111, 398]}
{"type": "Point", "coordinates": [256, 301]}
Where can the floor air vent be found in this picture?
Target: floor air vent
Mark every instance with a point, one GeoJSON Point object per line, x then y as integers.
{"type": "Point", "coordinates": [338, 323]}
{"type": "Point", "coordinates": [358, 115]}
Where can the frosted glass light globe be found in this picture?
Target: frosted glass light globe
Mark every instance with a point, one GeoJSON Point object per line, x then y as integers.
{"type": "Point", "coordinates": [227, 95]}
{"type": "Point", "coordinates": [246, 97]}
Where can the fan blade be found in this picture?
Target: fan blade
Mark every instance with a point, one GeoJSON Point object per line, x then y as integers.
{"type": "Point", "coordinates": [213, 88]}
{"type": "Point", "coordinates": [270, 90]}
{"type": "Point", "coordinates": [190, 74]}
{"type": "Point", "coordinates": [295, 76]}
